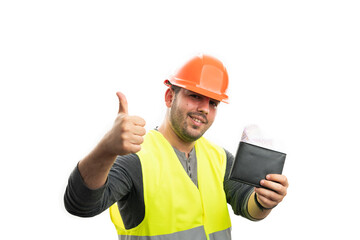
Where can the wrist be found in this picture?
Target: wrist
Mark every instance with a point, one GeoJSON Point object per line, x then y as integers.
{"type": "Point", "coordinates": [105, 148]}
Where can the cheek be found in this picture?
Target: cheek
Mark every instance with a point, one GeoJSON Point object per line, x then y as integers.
{"type": "Point", "coordinates": [211, 116]}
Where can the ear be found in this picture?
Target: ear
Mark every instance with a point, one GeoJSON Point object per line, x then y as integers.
{"type": "Point", "coordinates": [169, 96]}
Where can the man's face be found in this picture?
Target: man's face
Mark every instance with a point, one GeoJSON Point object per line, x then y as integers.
{"type": "Point", "coordinates": [191, 114]}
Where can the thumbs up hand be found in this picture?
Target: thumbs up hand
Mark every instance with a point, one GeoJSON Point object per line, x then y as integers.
{"type": "Point", "coordinates": [127, 133]}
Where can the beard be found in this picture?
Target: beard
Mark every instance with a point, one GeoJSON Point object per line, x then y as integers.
{"type": "Point", "coordinates": [182, 126]}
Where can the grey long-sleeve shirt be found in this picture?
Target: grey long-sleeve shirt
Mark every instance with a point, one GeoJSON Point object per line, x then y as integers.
{"type": "Point", "coordinates": [125, 186]}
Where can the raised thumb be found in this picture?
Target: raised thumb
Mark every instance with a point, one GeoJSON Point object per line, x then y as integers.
{"type": "Point", "coordinates": [123, 104]}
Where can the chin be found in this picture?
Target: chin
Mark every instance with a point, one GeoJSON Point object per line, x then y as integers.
{"type": "Point", "coordinates": [192, 137]}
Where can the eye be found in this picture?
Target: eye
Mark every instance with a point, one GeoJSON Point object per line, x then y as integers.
{"type": "Point", "coordinates": [195, 96]}
{"type": "Point", "coordinates": [214, 103]}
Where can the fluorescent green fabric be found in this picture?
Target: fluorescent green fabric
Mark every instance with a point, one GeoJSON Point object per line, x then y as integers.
{"type": "Point", "coordinates": [173, 204]}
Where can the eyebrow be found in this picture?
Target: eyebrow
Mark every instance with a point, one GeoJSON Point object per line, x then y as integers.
{"type": "Point", "coordinates": [191, 92]}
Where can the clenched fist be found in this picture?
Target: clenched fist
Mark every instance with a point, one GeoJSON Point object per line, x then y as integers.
{"type": "Point", "coordinates": [127, 133]}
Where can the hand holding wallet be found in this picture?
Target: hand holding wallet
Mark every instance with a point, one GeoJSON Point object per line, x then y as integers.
{"type": "Point", "coordinates": [252, 163]}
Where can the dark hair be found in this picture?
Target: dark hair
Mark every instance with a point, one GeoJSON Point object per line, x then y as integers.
{"type": "Point", "coordinates": [176, 89]}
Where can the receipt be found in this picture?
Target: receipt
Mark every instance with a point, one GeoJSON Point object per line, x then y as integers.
{"type": "Point", "coordinates": [253, 135]}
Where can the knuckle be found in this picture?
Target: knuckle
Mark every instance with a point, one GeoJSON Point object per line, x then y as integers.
{"type": "Point", "coordinates": [127, 147]}
{"type": "Point", "coordinates": [125, 128]}
{"type": "Point", "coordinates": [124, 137]}
{"type": "Point", "coordinates": [139, 118]}
{"type": "Point", "coordinates": [125, 119]}
{"type": "Point", "coordinates": [135, 148]}
{"type": "Point", "coordinates": [273, 196]}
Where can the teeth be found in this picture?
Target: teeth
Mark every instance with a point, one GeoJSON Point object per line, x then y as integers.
{"type": "Point", "coordinates": [196, 120]}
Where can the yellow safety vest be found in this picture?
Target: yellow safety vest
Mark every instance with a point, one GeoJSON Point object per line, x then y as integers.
{"type": "Point", "coordinates": [174, 207]}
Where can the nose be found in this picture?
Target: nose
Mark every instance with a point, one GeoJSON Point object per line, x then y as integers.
{"type": "Point", "coordinates": [204, 106]}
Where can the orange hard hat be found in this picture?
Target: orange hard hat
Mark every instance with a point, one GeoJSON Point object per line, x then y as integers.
{"type": "Point", "coordinates": [202, 74]}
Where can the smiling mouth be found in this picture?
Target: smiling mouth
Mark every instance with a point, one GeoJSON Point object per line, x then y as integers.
{"type": "Point", "coordinates": [197, 120]}
{"type": "Point", "coordinates": [198, 117]}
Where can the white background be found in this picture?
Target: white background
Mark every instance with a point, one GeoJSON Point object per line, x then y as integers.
{"type": "Point", "coordinates": [293, 68]}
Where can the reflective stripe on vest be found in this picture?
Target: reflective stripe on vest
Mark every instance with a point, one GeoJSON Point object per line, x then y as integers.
{"type": "Point", "coordinates": [174, 207]}
{"type": "Point", "coordinates": [197, 233]}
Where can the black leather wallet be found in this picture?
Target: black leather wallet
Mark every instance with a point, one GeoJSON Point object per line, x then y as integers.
{"type": "Point", "coordinates": [252, 164]}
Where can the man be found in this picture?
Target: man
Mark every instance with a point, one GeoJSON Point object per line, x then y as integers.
{"type": "Point", "coordinates": [170, 183]}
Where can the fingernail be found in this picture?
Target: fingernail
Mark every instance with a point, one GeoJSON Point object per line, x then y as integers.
{"type": "Point", "coordinates": [262, 182]}
{"type": "Point", "coordinates": [267, 176]}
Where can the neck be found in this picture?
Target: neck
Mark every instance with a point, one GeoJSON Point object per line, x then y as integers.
{"type": "Point", "coordinates": [166, 130]}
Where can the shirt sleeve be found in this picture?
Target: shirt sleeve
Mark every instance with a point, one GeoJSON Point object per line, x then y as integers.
{"type": "Point", "coordinates": [237, 194]}
{"type": "Point", "coordinates": [82, 201]}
